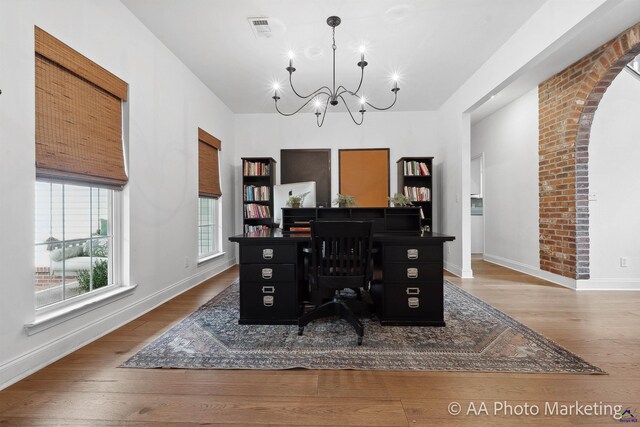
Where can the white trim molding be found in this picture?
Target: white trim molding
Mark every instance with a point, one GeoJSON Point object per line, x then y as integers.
{"type": "Point", "coordinates": [531, 271]}
{"type": "Point", "coordinates": [47, 319]}
{"type": "Point", "coordinates": [456, 270]}
{"type": "Point", "coordinates": [632, 284]}
{"type": "Point", "coordinates": [25, 364]}
{"type": "Point", "coordinates": [617, 284]}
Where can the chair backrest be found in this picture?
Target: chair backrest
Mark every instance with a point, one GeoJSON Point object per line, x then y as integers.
{"type": "Point", "coordinates": [341, 253]}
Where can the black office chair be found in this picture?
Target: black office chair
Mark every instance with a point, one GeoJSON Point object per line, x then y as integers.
{"type": "Point", "coordinates": [340, 258]}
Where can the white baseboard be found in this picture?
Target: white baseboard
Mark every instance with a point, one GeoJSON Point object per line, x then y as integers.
{"type": "Point", "coordinates": [24, 365]}
{"type": "Point", "coordinates": [609, 285]}
{"type": "Point", "coordinates": [531, 271]}
{"type": "Point", "coordinates": [456, 270]}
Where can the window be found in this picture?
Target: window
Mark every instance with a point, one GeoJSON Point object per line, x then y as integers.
{"type": "Point", "coordinates": [209, 190]}
{"type": "Point", "coordinates": [80, 168]}
{"type": "Point", "coordinates": [74, 240]}
{"type": "Point", "coordinates": [208, 232]}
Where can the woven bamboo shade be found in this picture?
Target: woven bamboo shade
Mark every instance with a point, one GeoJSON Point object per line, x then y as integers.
{"type": "Point", "coordinates": [78, 124]}
{"type": "Point", "coordinates": [208, 168]}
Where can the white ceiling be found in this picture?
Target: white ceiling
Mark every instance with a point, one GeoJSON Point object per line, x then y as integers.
{"type": "Point", "coordinates": [435, 45]}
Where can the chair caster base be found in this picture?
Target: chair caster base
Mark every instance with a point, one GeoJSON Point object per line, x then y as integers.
{"type": "Point", "coordinates": [300, 330]}
{"type": "Point", "coordinates": [359, 340]}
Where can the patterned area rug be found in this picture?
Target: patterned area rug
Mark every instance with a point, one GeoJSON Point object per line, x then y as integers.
{"type": "Point", "coordinates": [477, 337]}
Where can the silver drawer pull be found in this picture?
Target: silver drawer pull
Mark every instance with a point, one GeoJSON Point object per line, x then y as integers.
{"type": "Point", "coordinates": [412, 273]}
{"type": "Point", "coordinates": [267, 300]}
{"type": "Point", "coordinates": [413, 302]}
{"type": "Point", "coordinates": [413, 291]}
{"type": "Point", "coordinates": [267, 253]}
{"type": "Point", "coordinates": [412, 253]}
{"type": "Point", "coordinates": [267, 273]}
{"type": "Point", "coordinates": [268, 289]}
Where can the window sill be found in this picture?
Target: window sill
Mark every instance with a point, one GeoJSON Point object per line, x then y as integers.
{"type": "Point", "coordinates": [48, 319]}
{"type": "Point", "coordinates": [210, 258]}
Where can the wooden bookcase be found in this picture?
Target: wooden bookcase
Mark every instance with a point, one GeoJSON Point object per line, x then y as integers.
{"type": "Point", "coordinates": [258, 179]}
{"type": "Point", "coordinates": [418, 186]}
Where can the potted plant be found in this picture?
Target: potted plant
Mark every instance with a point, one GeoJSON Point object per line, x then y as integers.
{"type": "Point", "coordinates": [295, 201]}
{"type": "Point", "coordinates": [100, 276]}
{"type": "Point", "coordinates": [345, 201]}
{"type": "Point", "coordinates": [400, 200]}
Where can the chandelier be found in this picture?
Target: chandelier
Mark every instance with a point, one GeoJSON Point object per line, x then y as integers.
{"type": "Point", "coordinates": [325, 96]}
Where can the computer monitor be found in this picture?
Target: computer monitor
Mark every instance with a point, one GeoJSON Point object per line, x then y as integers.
{"type": "Point", "coordinates": [282, 192]}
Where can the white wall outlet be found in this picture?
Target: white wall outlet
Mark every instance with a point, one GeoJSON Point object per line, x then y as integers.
{"type": "Point", "coordinates": [623, 261]}
{"type": "Point", "coordinates": [593, 197]}
{"type": "Point", "coordinates": [186, 262]}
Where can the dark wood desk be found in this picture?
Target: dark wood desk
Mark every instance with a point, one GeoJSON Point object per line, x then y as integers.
{"type": "Point", "coordinates": [410, 291]}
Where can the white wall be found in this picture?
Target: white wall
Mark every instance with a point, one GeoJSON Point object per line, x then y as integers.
{"type": "Point", "coordinates": [614, 225]}
{"type": "Point", "coordinates": [509, 140]}
{"type": "Point", "coordinates": [167, 104]}
{"type": "Point", "coordinates": [404, 133]}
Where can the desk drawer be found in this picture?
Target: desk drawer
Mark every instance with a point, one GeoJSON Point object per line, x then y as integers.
{"type": "Point", "coordinates": [412, 272]}
{"type": "Point", "coordinates": [268, 302]}
{"type": "Point", "coordinates": [271, 254]}
{"type": "Point", "coordinates": [268, 273]}
{"type": "Point", "coordinates": [417, 303]}
{"type": "Point", "coordinates": [413, 253]}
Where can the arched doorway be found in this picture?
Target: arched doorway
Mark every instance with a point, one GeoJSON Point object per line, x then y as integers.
{"type": "Point", "coordinates": [567, 103]}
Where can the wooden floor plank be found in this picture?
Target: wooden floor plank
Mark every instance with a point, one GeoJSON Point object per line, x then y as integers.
{"type": "Point", "coordinates": [231, 386]}
{"type": "Point", "coordinates": [222, 409]}
{"type": "Point", "coordinates": [87, 388]}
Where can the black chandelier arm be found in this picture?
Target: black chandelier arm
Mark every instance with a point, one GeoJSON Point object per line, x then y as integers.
{"type": "Point", "coordinates": [324, 113]}
{"type": "Point", "coordinates": [349, 111]}
{"type": "Point", "coordinates": [355, 93]}
{"type": "Point", "coordinates": [395, 98]}
{"type": "Point", "coordinates": [315, 92]}
{"type": "Point", "coordinates": [301, 107]}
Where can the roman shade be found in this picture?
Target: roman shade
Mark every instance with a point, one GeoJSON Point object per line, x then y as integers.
{"type": "Point", "coordinates": [208, 169]}
{"type": "Point", "coordinates": [78, 117]}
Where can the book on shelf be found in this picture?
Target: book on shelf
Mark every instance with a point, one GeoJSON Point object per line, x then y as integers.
{"type": "Point", "coordinates": [415, 168]}
{"type": "Point", "coordinates": [253, 193]}
{"type": "Point", "coordinates": [300, 229]}
{"type": "Point", "coordinates": [255, 228]}
{"type": "Point", "coordinates": [417, 194]}
{"type": "Point", "coordinates": [256, 168]}
{"type": "Point", "coordinates": [253, 210]}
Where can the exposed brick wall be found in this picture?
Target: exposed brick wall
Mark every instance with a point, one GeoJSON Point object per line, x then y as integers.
{"type": "Point", "coordinates": [567, 103]}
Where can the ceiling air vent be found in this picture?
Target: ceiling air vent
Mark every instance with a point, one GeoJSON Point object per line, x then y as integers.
{"type": "Point", "coordinates": [260, 27]}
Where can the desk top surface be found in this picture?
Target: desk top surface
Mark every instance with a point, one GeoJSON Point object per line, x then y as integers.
{"type": "Point", "coordinates": [271, 234]}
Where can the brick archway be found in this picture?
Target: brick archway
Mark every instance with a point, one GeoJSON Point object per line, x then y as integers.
{"type": "Point", "coordinates": [566, 106]}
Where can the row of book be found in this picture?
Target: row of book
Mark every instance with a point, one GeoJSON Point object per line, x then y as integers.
{"type": "Point", "coordinates": [255, 228]}
{"type": "Point", "coordinates": [418, 194]}
{"type": "Point", "coordinates": [252, 210]}
{"type": "Point", "coordinates": [256, 169]}
{"type": "Point", "coordinates": [414, 168]}
{"type": "Point", "coordinates": [255, 193]}
{"type": "Point", "coordinates": [300, 227]}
